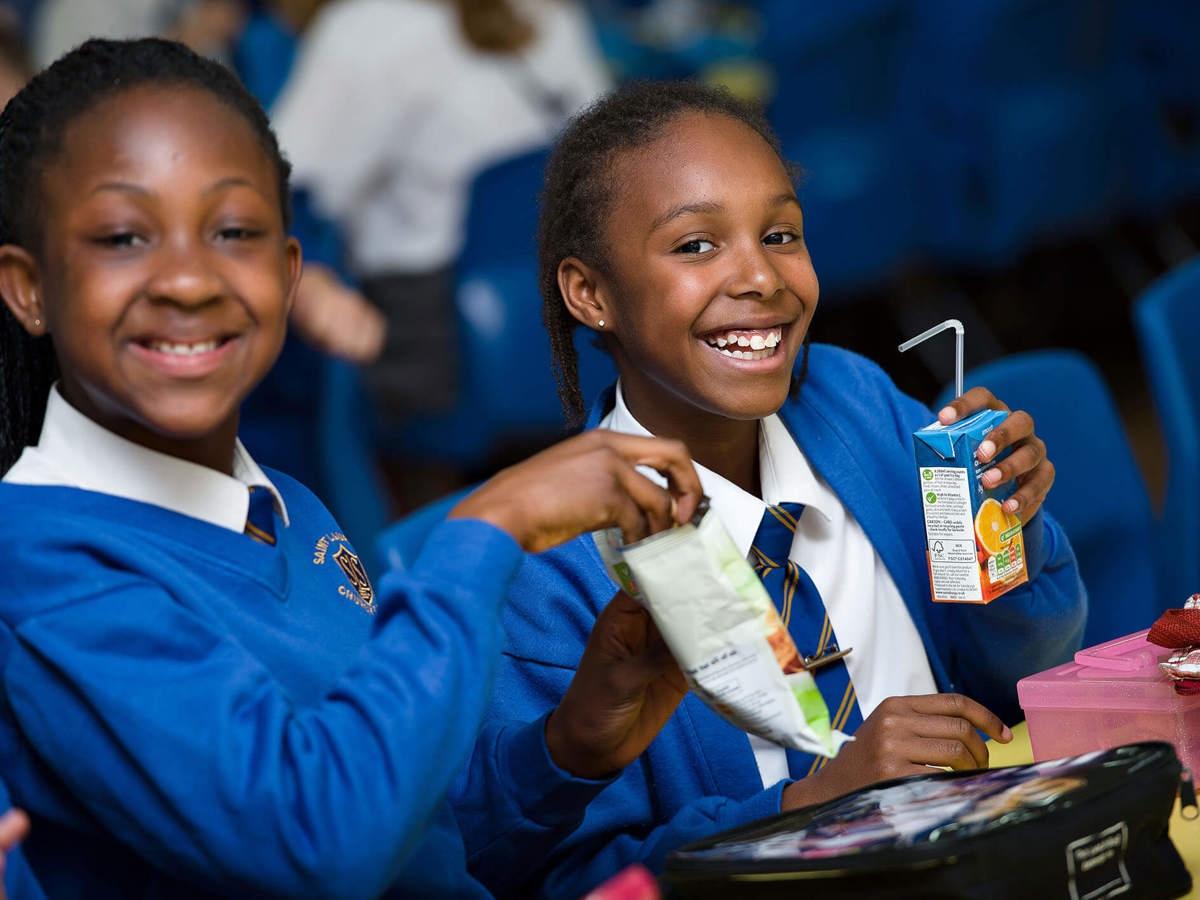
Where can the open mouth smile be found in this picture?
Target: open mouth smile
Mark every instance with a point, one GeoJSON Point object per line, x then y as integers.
{"type": "Point", "coordinates": [758, 343]}
{"type": "Point", "coordinates": [186, 358]}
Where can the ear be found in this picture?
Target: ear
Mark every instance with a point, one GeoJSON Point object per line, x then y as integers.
{"type": "Point", "coordinates": [584, 294]}
{"type": "Point", "coordinates": [295, 265]}
{"type": "Point", "coordinates": [21, 290]}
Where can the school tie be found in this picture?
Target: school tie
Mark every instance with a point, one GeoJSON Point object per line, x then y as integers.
{"type": "Point", "coordinates": [260, 520]}
{"type": "Point", "coordinates": [803, 613]}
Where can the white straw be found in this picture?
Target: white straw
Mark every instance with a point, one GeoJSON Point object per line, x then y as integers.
{"type": "Point", "coordinates": [958, 348]}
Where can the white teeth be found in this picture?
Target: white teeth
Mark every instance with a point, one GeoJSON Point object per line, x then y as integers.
{"type": "Point", "coordinates": [772, 339]}
{"type": "Point", "coordinates": [183, 349]}
{"type": "Point", "coordinates": [757, 342]}
{"type": "Point", "coordinates": [721, 342]}
{"type": "Point", "coordinates": [743, 341]}
{"type": "Point", "coordinates": [737, 354]}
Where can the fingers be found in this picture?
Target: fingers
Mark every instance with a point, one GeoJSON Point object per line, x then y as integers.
{"type": "Point", "coordinates": [14, 825]}
{"type": "Point", "coordinates": [972, 401]}
{"type": "Point", "coordinates": [671, 459]}
{"type": "Point", "coordinates": [1016, 427]}
{"type": "Point", "coordinates": [956, 705]}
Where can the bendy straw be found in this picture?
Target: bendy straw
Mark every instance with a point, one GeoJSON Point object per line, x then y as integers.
{"type": "Point", "coordinates": [958, 348]}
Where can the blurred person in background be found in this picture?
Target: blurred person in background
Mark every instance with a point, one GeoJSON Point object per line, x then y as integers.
{"type": "Point", "coordinates": [207, 26]}
{"type": "Point", "coordinates": [15, 67]}
{"type": "Point", "coordinates": [391, 109]}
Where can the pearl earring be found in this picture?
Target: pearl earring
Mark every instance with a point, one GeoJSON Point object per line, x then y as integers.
{"type": "Point", "coordinates": [37, 323]}
{"type": "Point", "coordinates": [600, 324]}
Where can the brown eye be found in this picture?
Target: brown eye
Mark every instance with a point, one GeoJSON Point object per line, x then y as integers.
{"type": "Point", "coordinates": [695, 246]}
{"type": "Point", "coordinates": [778, 238]}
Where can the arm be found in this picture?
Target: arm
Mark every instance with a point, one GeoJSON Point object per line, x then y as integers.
{"type": "Point", "coordinates": [193, 752]}
{"type": "Point", "coordinates": [568, 835]}
{"type": "Point", "coordinates": [1032, 627]}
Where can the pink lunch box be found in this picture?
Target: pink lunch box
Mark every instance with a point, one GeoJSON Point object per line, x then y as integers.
{"type": "Point", "coordinates": [1112, 694]}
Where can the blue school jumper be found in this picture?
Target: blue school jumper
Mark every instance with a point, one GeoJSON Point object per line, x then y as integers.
{"type": "Point", "coordinates": [19, 882]}
{"type": "Point", "coordinates": [699, 775]}
{"type": "Point", "coordinates": [187, 712]}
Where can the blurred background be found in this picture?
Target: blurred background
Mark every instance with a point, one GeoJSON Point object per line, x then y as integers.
{"type": "Point", "coordinates": [1030, 167]}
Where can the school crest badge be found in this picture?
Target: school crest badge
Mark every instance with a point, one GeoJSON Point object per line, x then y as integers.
{"type": "Point", "coordinates": [360, 590]}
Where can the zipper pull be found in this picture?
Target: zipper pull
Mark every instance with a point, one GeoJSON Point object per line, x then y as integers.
{"type": "Point", "coordinates": [1187, 796]}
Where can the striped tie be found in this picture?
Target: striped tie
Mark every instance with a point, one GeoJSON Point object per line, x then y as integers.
{"type": "Point", "coordinates": [260, 520]}
{"type": "Point", "coordinates": [803, 613]}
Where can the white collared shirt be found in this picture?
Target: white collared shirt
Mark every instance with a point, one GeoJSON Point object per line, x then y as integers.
{"type": "Point", "coordinates": [74, 451]}
{"type": "Point", "coordinates": [864, 605]}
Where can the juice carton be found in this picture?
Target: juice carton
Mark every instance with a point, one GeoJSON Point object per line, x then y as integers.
{"type": "Point", "coordinates": [975, 549]}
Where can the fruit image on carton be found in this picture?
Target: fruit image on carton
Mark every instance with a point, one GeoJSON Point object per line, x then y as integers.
{"type": "Point", "coordinates": [975, 549]}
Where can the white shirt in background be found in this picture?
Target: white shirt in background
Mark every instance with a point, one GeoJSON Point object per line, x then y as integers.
{"type": "Point", "coordinates": [865, 608]}
{"type": "Point", "coordinates": [389, 114]}
{"type": "Point", "coordinates": [74, 451]}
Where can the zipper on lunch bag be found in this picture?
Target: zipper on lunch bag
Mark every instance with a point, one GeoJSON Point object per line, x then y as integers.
{"type": "Point", "coordinates": [1187, 796]}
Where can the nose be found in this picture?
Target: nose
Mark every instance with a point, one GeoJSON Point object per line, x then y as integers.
{"type": "Point", "coordinates": [182, 274]}
{"type": "Point", "coordinates": [754, 275]}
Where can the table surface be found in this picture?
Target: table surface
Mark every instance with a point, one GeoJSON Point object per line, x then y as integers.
{"type": "Point", "coordinates": [1184, 834]}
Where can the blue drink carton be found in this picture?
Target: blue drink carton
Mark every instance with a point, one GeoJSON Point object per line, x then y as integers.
{"type": "Point", "coordinates": [975, 550]}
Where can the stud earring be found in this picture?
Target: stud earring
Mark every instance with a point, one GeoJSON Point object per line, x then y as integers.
{"type": "Point", "coordinates": [600, 324]}
{"type": "Point", "coordinates": [37, 323]}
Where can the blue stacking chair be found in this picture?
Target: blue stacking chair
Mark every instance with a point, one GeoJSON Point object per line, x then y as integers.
{"type": "Point", "coordinates": [1018, 128]}
{"type": "Point", "coordinates": [837, 70]}
{"type": "Point", "coordinates": [1158, 100]}
{"type": "Point", "coordinates": [508, 388]}
{"type": "Point", "coordinates": [1099, 496]}
{"type": "Point", "coordinates": [1167, 317]}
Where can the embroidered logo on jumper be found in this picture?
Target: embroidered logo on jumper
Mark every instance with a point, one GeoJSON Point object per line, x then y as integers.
{"type": "Point", "coordinates": [360, 590]}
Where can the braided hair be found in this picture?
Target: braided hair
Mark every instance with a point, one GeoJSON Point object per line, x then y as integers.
{"type": "Point", "coordinates": [578, 191]}
{"type": "Point", "coordinates": [32, 130]}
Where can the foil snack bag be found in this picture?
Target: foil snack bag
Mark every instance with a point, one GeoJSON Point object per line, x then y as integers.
{"type": "Point", "coordinates": [720, 624]}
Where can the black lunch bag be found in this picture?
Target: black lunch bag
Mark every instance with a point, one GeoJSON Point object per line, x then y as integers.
{"type": "Point", "coordinates": [1087, 827]}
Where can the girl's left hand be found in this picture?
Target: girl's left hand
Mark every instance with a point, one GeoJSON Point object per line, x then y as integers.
{"type": "Point", "coordinates": [1027, 463]}
{"type": "Point", "coordinates": [625, 689]}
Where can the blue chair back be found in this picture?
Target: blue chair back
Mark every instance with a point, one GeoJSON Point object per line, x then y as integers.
{"type": "Point", "coordinates": [1098, 497]}
{"type": "Point", "coordinates": [508, 386]}
{"type": "Point", "coordinates": [1167, 316]}
{"type": "Point", "coordinates": [399, 545]}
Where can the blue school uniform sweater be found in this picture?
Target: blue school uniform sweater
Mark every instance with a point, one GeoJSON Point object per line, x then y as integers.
{"type": "Point", "coordinates": [187, 712]}
{"type": "Point", "coordinates": [19, 883]}
{"type": "Point", "coordinates": [699, 775]}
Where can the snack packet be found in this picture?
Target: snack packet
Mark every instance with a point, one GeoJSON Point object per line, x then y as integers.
{"type": "Point", "coordinates": [720, 624]}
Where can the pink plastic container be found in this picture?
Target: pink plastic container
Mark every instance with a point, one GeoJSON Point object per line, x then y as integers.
{"type": "Point", "coordinates": [1112, 694]}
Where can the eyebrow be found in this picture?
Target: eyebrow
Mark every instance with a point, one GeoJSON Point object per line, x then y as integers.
{"type": "Point", "coordinates": [130, 188]}
{"type": "Point", "coordinates": [711, 206]}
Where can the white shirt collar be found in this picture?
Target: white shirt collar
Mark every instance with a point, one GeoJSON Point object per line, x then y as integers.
{"type": "Point", "coordinates": [784, 471]}
{"type": "Point", "coordinates": [74, 451]}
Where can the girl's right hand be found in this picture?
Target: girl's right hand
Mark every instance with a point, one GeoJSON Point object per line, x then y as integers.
{"type": "Point", "coordinates": [904, 736]}
{"type": "Point", "coordinates": [584, 483]}
{"type": "Point", "coordinates": [14, 825]}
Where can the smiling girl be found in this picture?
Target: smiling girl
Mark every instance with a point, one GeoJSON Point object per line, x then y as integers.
{"type": "Point", "coordinates": [672, 229]}
{"type": "Point", "coordinates": [201, 690]}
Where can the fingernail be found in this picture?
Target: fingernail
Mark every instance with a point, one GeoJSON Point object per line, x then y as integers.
{"type": "Point", "coordinates": [1006, 735]}
{"type": "Point", "coordinates": [947, 415]}
{"type": "Point", "coordinates": [990, 477]}
{"type": "Point", "coordinates": [986, 450]}
{"type": "Point", "coordinates": [1011, 505]}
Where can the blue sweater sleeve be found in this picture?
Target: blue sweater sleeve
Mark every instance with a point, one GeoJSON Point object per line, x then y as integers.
{"type": "Point", "coordinates": [581, 833]}
{"type": "Point", "coordinates": [182, 746]}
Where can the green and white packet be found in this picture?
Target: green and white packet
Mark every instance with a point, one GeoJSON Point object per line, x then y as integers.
{"type": "Point", "coordinates": [724, 631]}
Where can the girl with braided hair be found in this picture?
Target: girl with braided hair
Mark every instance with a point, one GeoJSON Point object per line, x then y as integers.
{"type": "Point", "coordinates": [671, 228]}
{"type": "Point", "coordinates": [201, 692]}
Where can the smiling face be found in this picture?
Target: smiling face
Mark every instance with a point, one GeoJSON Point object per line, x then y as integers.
{"type": "Point", "coordinates": [708, 289]}
{"type": "Point", "coordinates": [163, 273]}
